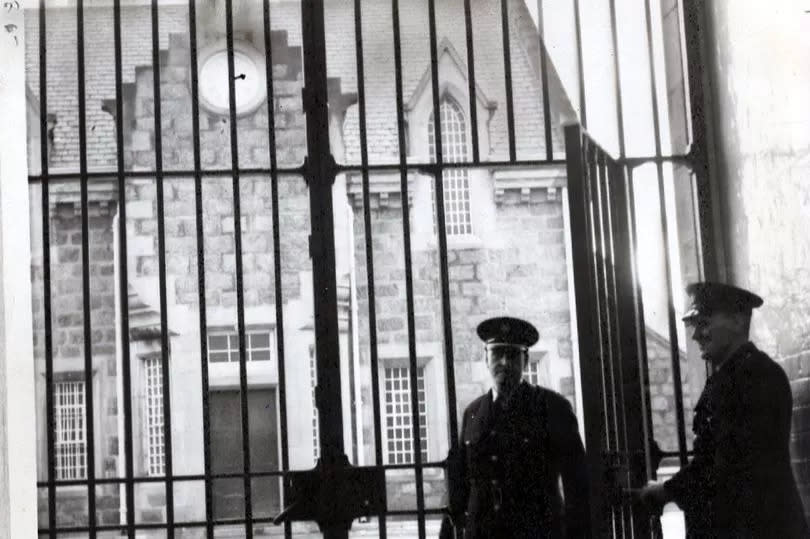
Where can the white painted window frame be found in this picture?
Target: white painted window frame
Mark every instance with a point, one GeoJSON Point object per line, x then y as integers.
{"type": "Point", "coordinates": [153, 420]}
{"type": "Point", "coordinates": [70, 436]}
{"type": "Point", "coordinates": [407, 453]}
{"type": "Point", "coordinates": [455, 148]}
{"type": "Point", "coordinates": [233, 344]}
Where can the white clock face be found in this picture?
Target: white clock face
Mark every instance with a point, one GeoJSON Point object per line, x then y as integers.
{"type": "Point", "coordinates": [249, 83]}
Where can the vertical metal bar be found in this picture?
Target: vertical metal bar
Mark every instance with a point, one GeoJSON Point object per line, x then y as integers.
{"type": "Point", "coordinates": [588, 178]}
{"type": "Point", "coordinates": [86, 310]}
{"type": "Point", "coordinates": [200, 231]}
{"type": "Point", "coordinates": [602, 261]}
{"type": "Point", "coordinates": [612, 447]}
{"type": "Point", "coordinates": [544, 82]}
{"type": "Point", "coordinates": [46, 270]}
{"type": "Point", "coordinates": [471, 89]}
{"type": "Point", "coordinates": [240, 300]}
{"type": "Point", "coordinates": [406, 236]}
{"type": "Point", "coordinates": [617, 78]}
{"type": "Point", "coordinates": [653, 84]}
{"type": "Point", "coordinates": [438, 178]}
{"type": "Point", "coordinates": [696, 228]}
{"type": "Point", "coordinates": [580, 67]}
{"type": "Point", "coordinates": [684, 69]}
{"type": "Point", "coordinates": [161, 231]}
{"type": "Point", "coordinates": [507, 74]}
{"type": "Point", "coordinates": [372, 307]}
{"type": "Point", "coordinates": [320, 174]}
{"type": "Point", "coordinates": [320, 170]}
{"type": "Point", "coordinates": [700, 104]}
{"type": "Point", "coordinates": [122, 272]}
{"type": "Point", "coordinates": [596, 162]}
{"type": "Point", "coordinates": [587, 320]}
{"type": "Point", "coordinates": [279, 303]}
{"type": "Point", "coordinates": [614, 296]}
{"type": "Point", "coordinates": [673, 329]}
{"type": "Point", "coordinates": [613, 333]}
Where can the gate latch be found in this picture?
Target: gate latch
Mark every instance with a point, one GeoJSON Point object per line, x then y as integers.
{"type": "Point", "coordinates": [333, 494]}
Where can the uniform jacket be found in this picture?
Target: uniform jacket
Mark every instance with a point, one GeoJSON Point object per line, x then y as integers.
{"type": "Point", "coordinates": [504, 480]}
{"type": "Point", "coordinates": [739, 483]}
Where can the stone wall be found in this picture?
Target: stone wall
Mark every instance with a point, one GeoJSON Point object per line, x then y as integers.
{"type": "Point", "coordinates": [180, 248]}
{"type": "Point", "coordinates": [67, 330]}
{"type": "Point", "coordinates": [662, 391]}
{"type": "Point", "coordinates": [763, 163]}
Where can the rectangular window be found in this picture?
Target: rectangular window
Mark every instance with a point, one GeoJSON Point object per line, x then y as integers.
{"type": "Point", "coordinates": [456, 181]}
{"type": "Point", "coordinates": [397, 415]}
{"type": "Point", "coordinates": [223, 346]}
{"type": "Point", "coordinates": [153, 415]}
{"type": "Point", "coordinates": [532, 374]}
{"type": "Point", "coordinates": [71, 430]}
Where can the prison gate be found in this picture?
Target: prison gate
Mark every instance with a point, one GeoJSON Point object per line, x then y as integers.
{"type": "Point", "coordinates": [265, 234]}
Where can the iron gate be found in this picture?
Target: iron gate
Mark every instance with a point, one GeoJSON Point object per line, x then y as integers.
{"type": "Point", "coordinates": [478, 131]}
{"type": "Point", "coordinates": [621, 450]}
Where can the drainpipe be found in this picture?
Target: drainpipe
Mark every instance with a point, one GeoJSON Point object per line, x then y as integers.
{"type": "Point", "coordinates": [119, 383]}
{"type": "Point", "coordinates": [354, 347]}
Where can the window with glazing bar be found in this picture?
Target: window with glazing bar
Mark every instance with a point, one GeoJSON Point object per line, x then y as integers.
{"type": "Point", "coordinates": [153, 415]}
{"type": "Point", "coordinates": [398, 415]}
{"type": "Point", "coordinates": [457, 213]}
{"type": "Point", "coordinates": [70, 439]}
{"type": "Point", "coordinates": [223, 346]}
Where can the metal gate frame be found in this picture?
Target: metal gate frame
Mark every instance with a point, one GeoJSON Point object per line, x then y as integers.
{"type": "Point", "coordinates": [603, 287]}
{"type": "Point", "coordinates": [613, 360]}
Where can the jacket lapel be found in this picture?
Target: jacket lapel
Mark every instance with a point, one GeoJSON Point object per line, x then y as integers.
{"type": "Point", "coordinates": [480, 421]}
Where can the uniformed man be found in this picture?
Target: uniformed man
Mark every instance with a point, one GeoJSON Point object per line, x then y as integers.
{"type": "Point", "coordinates": [517, 442]}
{"type": "Point", "coordinates": [739, 483]}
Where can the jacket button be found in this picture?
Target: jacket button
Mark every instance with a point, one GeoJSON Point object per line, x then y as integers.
{"type": "Point", "coordinates": [497, 507]}
{"type": "Point", "coordinates": [494, 458]}
{"type": "Point", "coordinates": [494, 482]}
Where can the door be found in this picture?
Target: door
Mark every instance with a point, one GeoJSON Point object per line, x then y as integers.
{"type": "Point", "coordinates": [613, 359]}
{"type": "Point", "coordinates": [226, 451]}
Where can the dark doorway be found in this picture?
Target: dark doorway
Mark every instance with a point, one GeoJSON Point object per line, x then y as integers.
{"type": "Point", "coordinates": [226, 451]}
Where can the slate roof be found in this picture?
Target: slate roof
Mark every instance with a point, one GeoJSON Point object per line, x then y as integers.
{"type": "Point", "coordinates": [379, 68]}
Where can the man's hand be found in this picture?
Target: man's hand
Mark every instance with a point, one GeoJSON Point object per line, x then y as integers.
{"type": "Point", "coordinates": [653, 497]}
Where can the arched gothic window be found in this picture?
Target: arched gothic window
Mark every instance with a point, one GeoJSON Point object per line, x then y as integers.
{"type": "Point", "coordinates": [457, 213]}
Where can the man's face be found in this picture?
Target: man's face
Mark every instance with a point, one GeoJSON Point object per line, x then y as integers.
{"type": "Point", "coordinates": [716, 333]}
{"type": "Point", "coordinates": [505, 362]}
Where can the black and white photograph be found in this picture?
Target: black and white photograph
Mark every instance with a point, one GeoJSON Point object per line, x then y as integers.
{"type": "Point", "coordinates": [456, 269]}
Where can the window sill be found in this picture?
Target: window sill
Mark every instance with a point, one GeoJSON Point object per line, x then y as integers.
{"type": "Point", "coordinates": [460, 242]}
{"type": "Point", "coordinates": [71, 491]}
{"type": "Point", "coordinates": [406, 474]}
